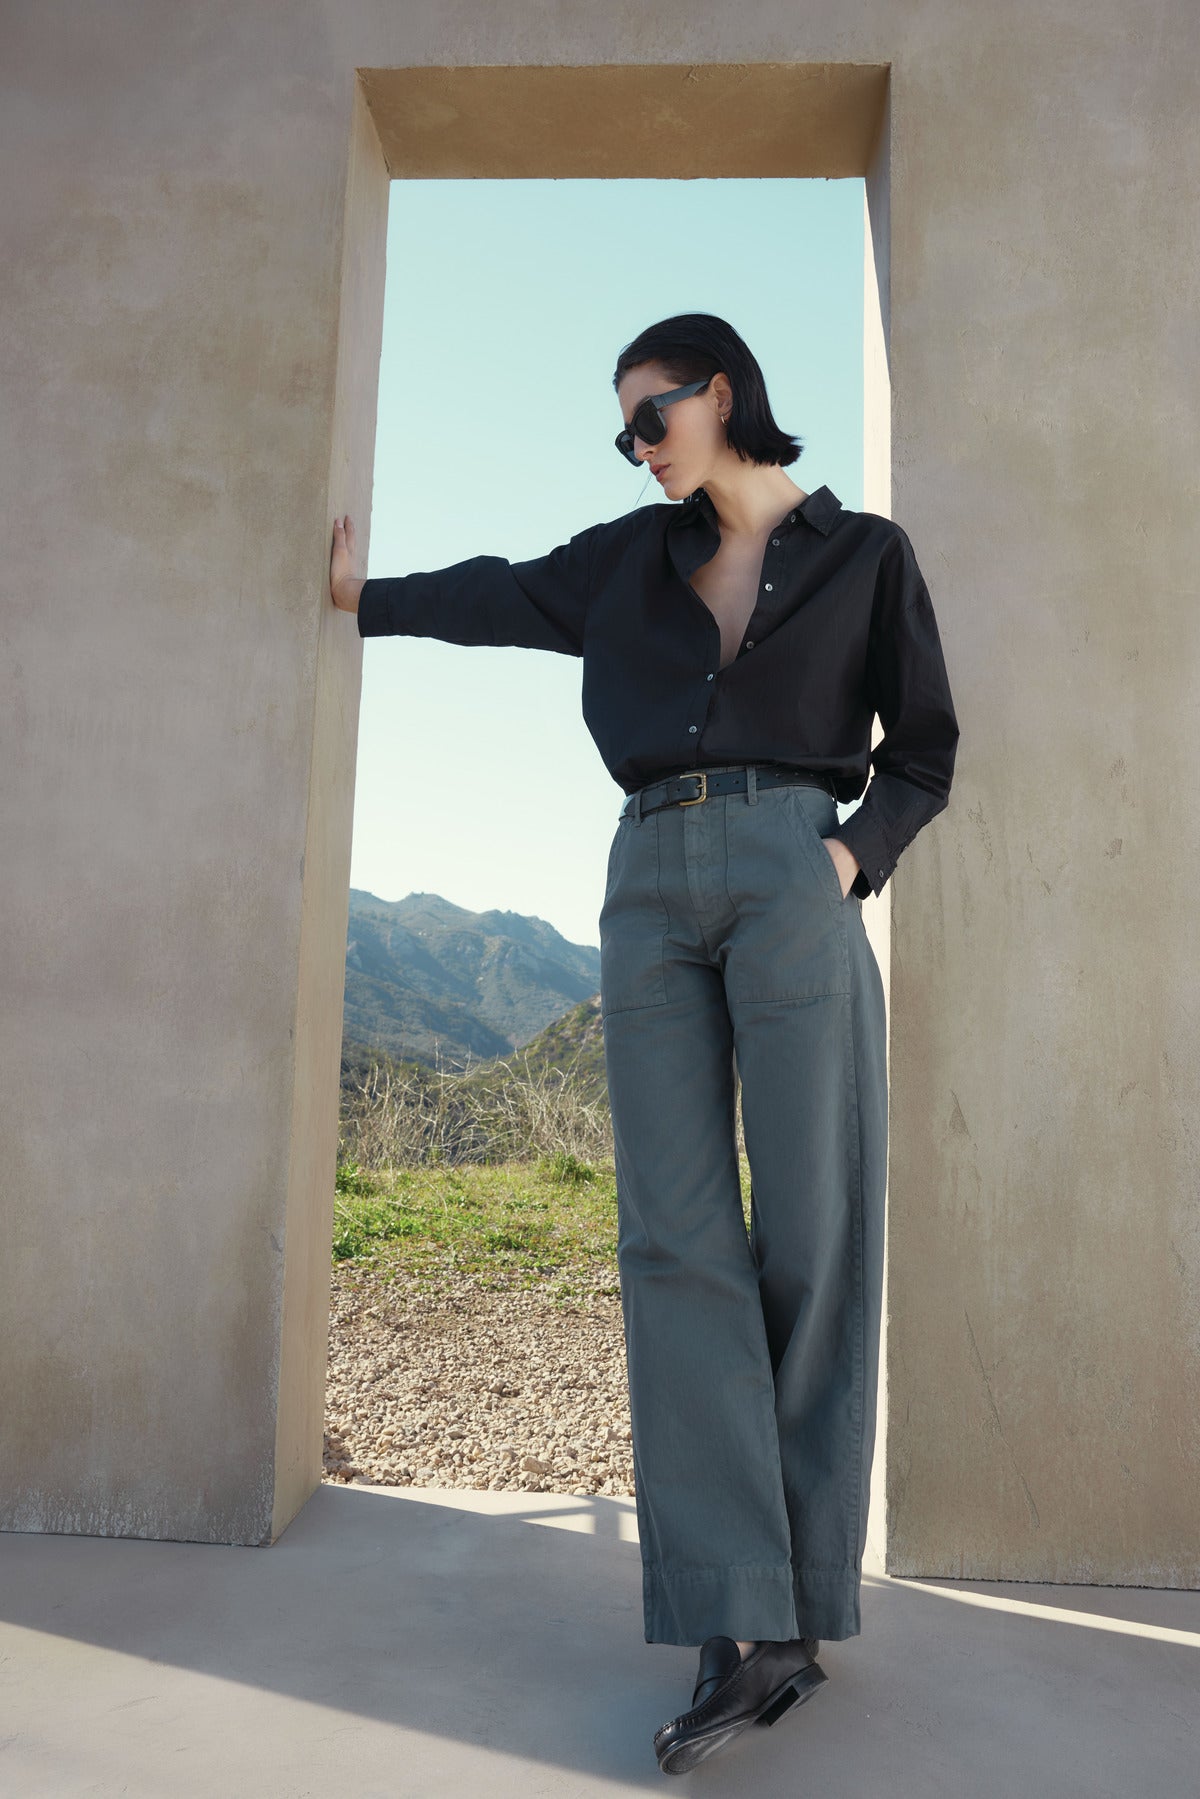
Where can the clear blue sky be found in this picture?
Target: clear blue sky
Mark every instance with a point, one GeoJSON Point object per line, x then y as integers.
{"type": "Point", "coordinates": [506, 305]}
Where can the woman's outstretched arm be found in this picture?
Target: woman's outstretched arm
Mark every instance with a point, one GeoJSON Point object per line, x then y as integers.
{"type": "Point", "coordinates": [536, 604]}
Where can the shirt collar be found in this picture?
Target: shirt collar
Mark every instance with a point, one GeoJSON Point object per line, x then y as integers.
{"type": "Point", "coordinates": [820, 509]}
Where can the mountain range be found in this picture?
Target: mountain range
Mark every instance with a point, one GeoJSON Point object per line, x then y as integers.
{"type": "Point", "coordinates": [431, 982]}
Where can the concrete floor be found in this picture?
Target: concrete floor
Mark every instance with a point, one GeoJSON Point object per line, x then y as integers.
{"type": "Point", "coordinates": [425, 1641]}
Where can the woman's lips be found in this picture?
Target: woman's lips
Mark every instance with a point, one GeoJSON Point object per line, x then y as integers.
{"type": "Point", "coordinates": [660, 472]}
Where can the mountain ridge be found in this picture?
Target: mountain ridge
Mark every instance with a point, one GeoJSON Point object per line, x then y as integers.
{"type": "Point", "coordinates": [431, 981]}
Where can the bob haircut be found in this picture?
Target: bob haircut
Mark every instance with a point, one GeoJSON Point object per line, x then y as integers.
{"type": "Point", "coordinates": [695, 345]}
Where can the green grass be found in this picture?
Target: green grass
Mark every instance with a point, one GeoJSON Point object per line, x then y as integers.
{"type": "Point", "coordinates": [552, 1223]}
{"type": "Point", "coordinates": [516, 1223]}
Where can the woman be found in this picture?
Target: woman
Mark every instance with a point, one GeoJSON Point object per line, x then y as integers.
{"type": "Point", "coordinates": [737, 642]}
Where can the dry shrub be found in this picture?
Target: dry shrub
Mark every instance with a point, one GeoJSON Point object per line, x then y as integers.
{"type": "Point", "coordinates": [510, 1110]}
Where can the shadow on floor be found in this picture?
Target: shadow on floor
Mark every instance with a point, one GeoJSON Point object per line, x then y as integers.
{"type": "Point", "coordinates": [417, 1641]}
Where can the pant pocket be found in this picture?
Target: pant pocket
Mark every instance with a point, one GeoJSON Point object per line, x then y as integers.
{"type": "Point", "coordinates": [633, 921]}
{"type": "Point", "coordinates": [809, 828]}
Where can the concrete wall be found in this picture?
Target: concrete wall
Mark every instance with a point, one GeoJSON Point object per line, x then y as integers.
{"type": "Point", "coordinates": [193, 221]}
{"type": "Point", "coordinates": [194, 234]}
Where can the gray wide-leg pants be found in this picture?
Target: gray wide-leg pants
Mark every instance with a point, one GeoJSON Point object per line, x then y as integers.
{"type": "Point", "coordinates": [728, 954]}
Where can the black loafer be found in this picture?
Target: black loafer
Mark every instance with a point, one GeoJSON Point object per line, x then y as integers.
{"type": "Point", "coordinates": [731, 1693]}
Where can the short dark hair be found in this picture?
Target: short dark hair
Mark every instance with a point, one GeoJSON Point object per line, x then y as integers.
{"type": "Point", "coordinates": [694, 345]}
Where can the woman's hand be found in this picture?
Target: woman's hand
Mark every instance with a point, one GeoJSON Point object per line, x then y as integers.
{"type": "Point", "coordinates": [844, 860]}
{"type": "Point", "coordinates": [344, 585]}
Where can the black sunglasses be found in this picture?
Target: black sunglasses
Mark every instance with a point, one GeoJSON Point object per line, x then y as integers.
{"type": "Point", "coordinates": [648, 422]}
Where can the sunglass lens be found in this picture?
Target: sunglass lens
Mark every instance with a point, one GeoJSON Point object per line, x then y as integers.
{"type": "Point", "coordinates": [648, 423]}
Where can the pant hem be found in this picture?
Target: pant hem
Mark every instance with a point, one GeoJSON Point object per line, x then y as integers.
{"type": "Point", "coordinates": [753, 1604]}
{"type": "Point", "coordinates": [827, 1603]}
{"type": "Point", "coordinates": [687, 1607]}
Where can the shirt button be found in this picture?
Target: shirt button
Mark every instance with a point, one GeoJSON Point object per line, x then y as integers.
{"type": "Point", "coordinates": [691, 727]}
{"type": "Point", "coordinates": [775, 541]}
{"type": "Point", "coordinates": [708, 677]}
{"type": "Point", "coordinates": [770, 589]}
{"type": "Point", "coordinates": [793, 518]}
{"type": "Point", "coordinates": [749, 643]}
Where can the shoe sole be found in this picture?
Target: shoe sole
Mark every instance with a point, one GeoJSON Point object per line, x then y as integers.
{"type": "Point", "coordinates": [795, 1690]}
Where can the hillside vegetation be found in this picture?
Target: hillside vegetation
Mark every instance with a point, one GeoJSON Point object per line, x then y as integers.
{"type": "Point", "coordinates": [431, 982]}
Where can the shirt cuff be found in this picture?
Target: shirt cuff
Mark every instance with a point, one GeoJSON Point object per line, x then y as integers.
{"type": "Point", "coordinates": [865, 843]}
{"type": "Point", "coordinates": [373, 614]}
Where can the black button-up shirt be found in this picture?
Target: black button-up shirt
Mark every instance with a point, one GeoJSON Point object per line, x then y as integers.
{"type": "Point", "coordinates": [842, 629]}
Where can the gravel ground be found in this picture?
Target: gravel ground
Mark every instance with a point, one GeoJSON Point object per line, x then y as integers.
{"type": "Point", "coordinates": [467, 1386]}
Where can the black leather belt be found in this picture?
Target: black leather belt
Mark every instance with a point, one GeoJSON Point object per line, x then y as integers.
{"type": "Point", "coordinates": [705, 783]}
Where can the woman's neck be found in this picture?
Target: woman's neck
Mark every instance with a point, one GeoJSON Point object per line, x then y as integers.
{"type": "Point", "coordinates": [749, 498]}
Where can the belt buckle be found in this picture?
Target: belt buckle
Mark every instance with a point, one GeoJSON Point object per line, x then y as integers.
{"type": "Point", "coordinates": [695, 774]}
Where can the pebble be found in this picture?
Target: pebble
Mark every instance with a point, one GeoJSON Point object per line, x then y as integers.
{"type": "Point", "coordinates": [467, 1385]}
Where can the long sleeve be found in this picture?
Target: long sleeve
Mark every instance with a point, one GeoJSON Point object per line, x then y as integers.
{"type": "Point", "coordinates": [914, 760]}
{"type": "Point", "coordinates": [538, 604]}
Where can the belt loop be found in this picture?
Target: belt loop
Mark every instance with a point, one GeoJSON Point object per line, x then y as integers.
{"type": "Point", "coordinates": [637, 807]}
{"type": "Point", "coordinates": [751, 784]}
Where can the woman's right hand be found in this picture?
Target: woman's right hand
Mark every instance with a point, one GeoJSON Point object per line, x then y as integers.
{"type": "Point", "coordinates": [344, 585]}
